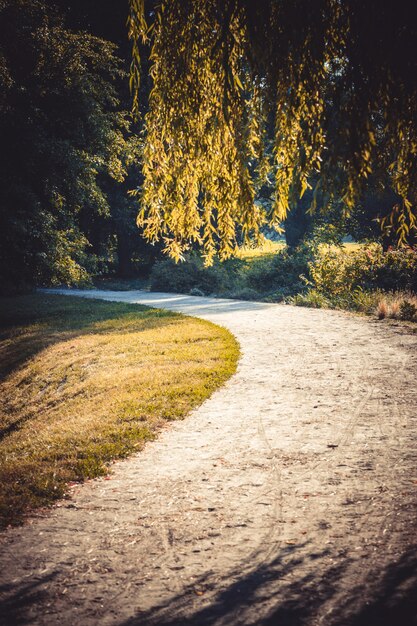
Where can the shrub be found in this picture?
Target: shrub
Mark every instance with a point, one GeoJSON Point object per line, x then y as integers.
{"type": "Point", "coordinates": [363, 300]}
{"type": "Point", "coordinates": [245, 294]}
{"type": "Point", "coordinates": [284, 294]}
{"type": "Point", "coordinates": [382, 309]}
{"type": "Point", "coordinates": [283, 271]}
{"type": "Point", "coordinates": [394, 309]}
{"type": "Point", "coordinates": [337, 272]}
{"type": "Point", "coordinates": [397, 270]}
{"type": "Point", "coordinates": [195, 291]}
{"type": "Point", "coordinates": [408, 310]}
{"type": "Point", "coordinates": [166, 275]}
{"type": "Point", "coordinates": [313, 298]}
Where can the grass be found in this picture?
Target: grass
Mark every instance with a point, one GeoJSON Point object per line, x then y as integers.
{"type": "Point", "coordinates": [268, 249]}
{"type": "Point", "coordinates": [84, 382]}
{"type": "Point", "coordinates": [397, 305]}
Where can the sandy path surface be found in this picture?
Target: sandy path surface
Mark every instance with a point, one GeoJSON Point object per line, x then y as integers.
{"type": "Point", "coordinates": [289, 498]}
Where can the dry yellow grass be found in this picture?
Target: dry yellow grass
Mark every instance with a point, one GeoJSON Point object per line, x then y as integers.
{"type": "Point", "coordinates": [397, 305]}
{"type": "Point", "coordinates": [83, 382]}
{"type": "Point", "coordinates": [269, 248]}
{"type": "Point", "coordinates": [266, 249]}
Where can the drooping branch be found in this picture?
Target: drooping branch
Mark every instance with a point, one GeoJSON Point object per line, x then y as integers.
{"type": "Point", "coordinates": [340, 80]}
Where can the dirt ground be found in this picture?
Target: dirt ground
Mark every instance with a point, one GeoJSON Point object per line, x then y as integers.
{"type": "Point", "coordinates": [289, 498]}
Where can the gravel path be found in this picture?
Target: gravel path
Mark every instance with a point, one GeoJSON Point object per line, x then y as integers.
{"type": "Point", "coordinates": [289, 498]}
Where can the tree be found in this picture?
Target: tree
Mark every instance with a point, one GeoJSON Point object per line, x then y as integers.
{"type": "Point", "coordinates": [339, 78]}
{"type": "Point", "coordinates": [117, 233]}
{"type": "Point", "coordinates": [63, 135]}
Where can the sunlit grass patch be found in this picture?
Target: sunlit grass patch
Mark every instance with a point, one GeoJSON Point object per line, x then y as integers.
{"type": "Point", "coordinates": [268, 248]}
{"type": "Point", "coordinates": [85, 381]}
{"type": "Point", "coordinates": [352, 246]}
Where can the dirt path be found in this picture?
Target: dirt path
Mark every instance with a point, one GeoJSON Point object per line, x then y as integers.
{"type": "Point", "coordinates": [289, 498]}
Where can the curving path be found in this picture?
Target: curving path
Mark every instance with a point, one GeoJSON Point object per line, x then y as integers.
{"type": "Point", "coordinates": [289, 498]}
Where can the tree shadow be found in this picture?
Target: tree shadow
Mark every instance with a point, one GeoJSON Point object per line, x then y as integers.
{"type": "Point", "coordinates": [392, 599]}
{"type": "Point", "coordinates": [16, 601]}
{"type": "Point", "coordinates": [48, 320]}
{"type": "Point", "coordinates": [293, 591]}
{"type": "Point", "coordinates": [57, 318]}
{"type": "Point", "coordinates": [287, 590]}
{"type": "Point", "coordinates": [281, 591]}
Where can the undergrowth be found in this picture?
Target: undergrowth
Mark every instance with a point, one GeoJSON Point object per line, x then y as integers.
{"type": "Point", "coordinates": [353, 277]}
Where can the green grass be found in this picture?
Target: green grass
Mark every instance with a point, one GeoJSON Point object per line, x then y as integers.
{"type": "Point", "coordinates": [84, 382]}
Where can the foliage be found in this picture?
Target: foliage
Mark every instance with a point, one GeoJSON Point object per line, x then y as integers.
{"type": "Point", "coordinates": [364, 279]}
{"type": "Point", "coordinates": [63, 138]}
{"type": "Point", "coordinates": [83, 382]}
{"type": "Point", "coordinates": [313, 299]}
{"type": "Point", "coordinates": [408, 310]}
{"type": "Point", "coordinates": [245, 293]}
{"type": "Point", "coordinates": [342, 96]}
{"type": "Point", "coordinates": [271, 276]}
{"type": "Point", "coordinates": [195, 291]}
{"type": "Point", "coordinates": [166, 275]}
{"type": "Point", "coordinates": [284, 270]}
{"type": "Point", "coordinates": [400, 305]}
{"type": "Point", "coordinates": [360, 278]}
{"type": "Point", "coordinates": [336, 272]}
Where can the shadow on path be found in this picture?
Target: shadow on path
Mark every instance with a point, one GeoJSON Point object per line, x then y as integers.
{"type": "Point", "coordinates": [291, 591]}
{"type": "Point", "coordinates": [16, 601]}
{"type": "Point", "coordinates": [286, 591]}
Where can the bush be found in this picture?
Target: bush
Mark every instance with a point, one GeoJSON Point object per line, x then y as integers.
{"type": "Point", "coordinates": [408, 310]}
{"type": "Point", "coordinates": [397, 270]}
{"type": "Point", "coordinates": [313, 298]}
{"type": "Point", "coordinates": [366, 279]}
{"type": "Point", "coordinates": [336, 272]}
{"type": "Point", "coordinates": [245, 294]}
{"type": "Point", "coordinates": [363, 301]}
{"type": "Point", "coordinates": [195, 291]}
{"type": "Point", "coordinates": [284, 294]}
{"type": "Point", "coordinates": [284, 271]}
{"type": "Point", "coordinates": [166, 275]}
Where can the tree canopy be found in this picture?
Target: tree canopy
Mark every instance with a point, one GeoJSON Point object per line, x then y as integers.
{"type": "Point", "coordinates": [334, 84]}
{"type": "Point", "coordinates": [67, 149]}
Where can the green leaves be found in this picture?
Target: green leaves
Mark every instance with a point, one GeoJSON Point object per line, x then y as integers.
{"type": "Point", "coordinates": [63, 146]}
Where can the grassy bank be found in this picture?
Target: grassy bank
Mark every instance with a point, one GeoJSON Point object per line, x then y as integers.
{"type": "Point", "coordinates": [85, 381]}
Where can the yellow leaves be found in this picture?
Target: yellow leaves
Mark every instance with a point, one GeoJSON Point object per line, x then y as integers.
{"type": "Point", "coordinates": [304, 186]}
{"type": "Point", "coordinates": [208, 129]}
{"type": "Point", "coordinates": [196, 180]}
{"type": "Point", "coordinates": [401, 220]}
{"type": "Point", "coordinates": [237, 81]}
{"type": "Point", "coordinates": [137, 30]}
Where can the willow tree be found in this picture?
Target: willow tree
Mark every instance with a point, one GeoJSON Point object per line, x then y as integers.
{"type": "Point", "coordinates": [337, 78]}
